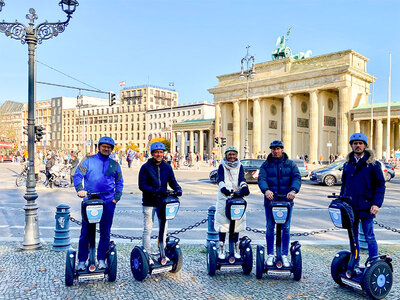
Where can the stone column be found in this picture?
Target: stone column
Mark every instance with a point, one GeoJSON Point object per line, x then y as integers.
{"type": "Point", "coordinates": [396, 136]}
{"type": "Point", "coordinates": [173, 142]}
{"type": "Point", "coordinates": [379, 138]}
{"type": "Point", "coordinates": [343, 123]}
{"type": "Point", "coordinates": [210, 142]}
{"type": "Point", "coordinates": [217, 123]}
{"type": "Point", "coordinates": [236, 125]}
{"type": "Point", "coordinates": [287, 125]}
{"type": "Point", "coordinates": [256, 127]}
{"type": "Point", "coordinates": [357, 127]}
{"type": "Point", "coordinates": [313, 127]}
{"type": "Point", "coordinates": [191, 141]}
{"type": "Point", "coordinates": [183, 140]}
{"type": "Point", "coordinates": [201, 143]}
{"type": "Point", "coordinates": [392, 129]}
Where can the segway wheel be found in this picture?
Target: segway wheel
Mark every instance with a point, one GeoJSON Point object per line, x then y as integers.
{"type": "Point", "coordinates": [112, 265]}
{"type": "Point", "coordinates": [339, 265]}
{"type": "Point", "coordinates": [260, 259]}
{"type": "Point", "coordinates": [69, 268]}
{"type": "Point", "coordinates": [139, 264]}
{"type": "Point", "coordinates": [211, 259]}
{"type": "Point", "coordinates": [247, 265]}
{"type": "Point", "coordinates": [378, 280]}
{"type": "Point", "coordinates": [177, 259]}
{"type": "Point", "coordinates": [297, 265]}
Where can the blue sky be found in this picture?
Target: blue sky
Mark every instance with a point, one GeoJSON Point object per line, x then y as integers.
{"type": "Point", "coordinates": [191, 42]}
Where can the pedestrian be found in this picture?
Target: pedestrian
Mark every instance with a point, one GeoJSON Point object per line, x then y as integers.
{"type": "Point", "coordinates": [51, 161]}
{"type": "Point", "coordinates": [154, 176]}
{"type": "Point", "coordinates": [129, 157]}
{"type": "Point", "coordinates": [363, 181]}
{"type": "Point", "coordinates": [280, 176]}
{"type": "Point", "coordinates": [99, 173]}
{"type": "Point", "coordinates": [74, 165]}
{"type": "Point", "coordinates": [230, 178]}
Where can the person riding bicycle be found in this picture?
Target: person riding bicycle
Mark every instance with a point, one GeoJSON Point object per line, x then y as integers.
{"type": "Point", "coordinates": [230, 178]}
{"type": "Point", "coordinates": [363, 181]}
{"type": "Point", "coordinates": [100, 174]}
{"type": "Point", "coordinates": [280, 176]}
{"type": "Point", "coordinates": [154, 176]}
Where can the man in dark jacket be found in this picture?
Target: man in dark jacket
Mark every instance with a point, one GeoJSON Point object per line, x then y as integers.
{"type": "Point", "coordinates": [154, 176]}
{"type": "Point", "coordinates": [280, 176]}
{"type": "Point", "coordinates": [363, 181]}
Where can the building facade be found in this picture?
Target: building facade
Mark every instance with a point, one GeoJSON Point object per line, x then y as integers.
{"type": "Point", "coordinates": [306, 103]}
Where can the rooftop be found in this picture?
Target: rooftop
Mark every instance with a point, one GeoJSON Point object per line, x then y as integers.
{"type": "Point", "coordinates": [377, 105]}
{"type": "Point", "coordinates": [148, 85]}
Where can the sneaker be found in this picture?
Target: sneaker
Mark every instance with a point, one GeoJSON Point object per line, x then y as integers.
{"type": "Point", "coordinates": [151, 261]}
{"type": "Point", "coordinates": [221, 250]}
{"type": "Point", "coordinates": [285, 261]}
{"type": "Point", "coordinates": [236, 251]}
{"type": "Point", "coordinates": [270, 260]}
{"type": "Point", "coordinates": [102, 264]}
{"type": "Point", "coordinates": [81, 266]}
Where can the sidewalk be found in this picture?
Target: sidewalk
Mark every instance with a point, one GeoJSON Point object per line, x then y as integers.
{"type": "Point", "coordinates": [40, 275]}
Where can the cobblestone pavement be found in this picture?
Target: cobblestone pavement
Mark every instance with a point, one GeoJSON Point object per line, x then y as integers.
{"type": "Point", "coordinates": [40, 275]}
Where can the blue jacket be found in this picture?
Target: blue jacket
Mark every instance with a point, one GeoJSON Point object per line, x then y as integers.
{"type": "Point", "coordinates": [153, 180]}
{"type": "Point", "coordinates": [100, 174]}
{"type": "Point", "coordinates": [364, 182]}
{"type": "Point", "coordinates": [280, 176]}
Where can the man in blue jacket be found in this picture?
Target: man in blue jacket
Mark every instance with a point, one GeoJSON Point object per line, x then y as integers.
{"type": "Point", "coordinates": [278, 175]}
{"type": "Point", "coordinates": [154, 176]}
{"type": "Point", "coordinates": [100, 174]}
{"type": "Point", "coordinates": [363, 180]}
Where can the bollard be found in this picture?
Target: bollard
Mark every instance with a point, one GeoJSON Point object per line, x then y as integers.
{"type": "Point", "coordinates": [61, 233]}
{"type": "Point", "coordinates": [212, 235]}
{"type": "Point", "coordinates": [361, 238]}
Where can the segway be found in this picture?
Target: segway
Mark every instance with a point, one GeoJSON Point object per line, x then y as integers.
{"type": "Point", "coordinates": [234, 210]}
{"type": "Point", "coordinates": [280, 210]}
{"type": "Point", "coordinates": [92, 211]}
{"type": "Point", "coordinates": [170, 257]}
{"type": "Point", "coordinates": [376, 277]}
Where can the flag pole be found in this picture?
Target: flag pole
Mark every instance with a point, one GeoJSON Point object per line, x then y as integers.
{"type": "Point", "coordinates": [388, 111]}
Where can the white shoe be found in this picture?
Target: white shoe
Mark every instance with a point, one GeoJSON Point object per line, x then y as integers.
{"type": "Point", "coordinates": [151, 261]}
{"type": "Point", "coordinates": [236, 251]}
{"type": "Point", "coordinates": [221, 250]}
{"type": "Point", "coordinates": [102, 264]}
{"type": "Point", "coordinates": [270, 260]}
{"type": "Point", "coordinates": [285, 261]}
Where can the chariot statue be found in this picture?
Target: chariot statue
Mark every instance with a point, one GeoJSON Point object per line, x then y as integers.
{"type": "Point", "coordinates": [284, 51]}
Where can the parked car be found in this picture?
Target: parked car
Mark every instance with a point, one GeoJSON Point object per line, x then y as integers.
{"type": "Point", "coordinates": [332, 174]}
{"type": "Point", "coordinates": [251, 170]}
{"type": "Point", "coordinates": [329, 175]}
{"type": "Point", "coordinates": [390, 173]}
{"type": "Point", "coordinates": [5, 157]}
{"type": "Point", "coordinates": [302, 165]}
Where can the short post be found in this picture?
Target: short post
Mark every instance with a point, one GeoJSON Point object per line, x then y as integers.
{"type": "Point", "coordinates": [61, 233]}
{"type": "Point", "coordinates": [212, 235]}
{"type": "Point", "coordinates": [361, 238]}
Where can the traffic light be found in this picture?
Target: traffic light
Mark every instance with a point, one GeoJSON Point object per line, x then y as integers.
{"type": "Point", "coordinates": [39, 131]}
{"type": "Point", "coordinates": [216, 140]}
{"type": "Point", "coordinates": [111, 98]}
{"type": "Point", "coordinates": [223, 141]}
{"type": "Point", "coordinates": [26, 129]}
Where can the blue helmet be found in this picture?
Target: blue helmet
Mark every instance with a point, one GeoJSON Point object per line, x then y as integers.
{"type": "Point", "coordinates": [276, 143]}
{"type": "Point", "coordinates": [157, 146]}
{"type": "Point", "coordinates": [107, 140]}
{"type": "Point", "coordinates": [358, 136]}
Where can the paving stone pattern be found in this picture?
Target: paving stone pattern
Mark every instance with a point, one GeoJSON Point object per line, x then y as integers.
{"type": "Point", "coordinates": [40, 275]}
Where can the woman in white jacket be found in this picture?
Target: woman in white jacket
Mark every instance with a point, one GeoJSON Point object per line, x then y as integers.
{"type": "Point", "coordinates": [230, 178]}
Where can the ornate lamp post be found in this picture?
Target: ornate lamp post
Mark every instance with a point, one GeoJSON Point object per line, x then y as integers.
{"type": "Point", "coordinates": [33, 36]}
{"type": "Point", "coordinates": [247, 73]}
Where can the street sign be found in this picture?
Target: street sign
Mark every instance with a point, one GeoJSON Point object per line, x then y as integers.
{"type": "Point", "coordinates": [89, 142]}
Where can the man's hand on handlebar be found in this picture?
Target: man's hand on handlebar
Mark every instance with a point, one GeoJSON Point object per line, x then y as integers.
{"type": "Point", "coordinates": [178, 192]}
{"type": "Point", "coordinates": [82, 194]}
{"type": "Point", "coordinates": [291, 195]}
{"type": "Point", "coordinates": [269, 194]}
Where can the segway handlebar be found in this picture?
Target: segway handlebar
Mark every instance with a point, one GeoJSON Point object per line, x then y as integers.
{"type": "Point", "coordinates": [235, 194]}
{"type": "Point", "coordinates": [94, 194]}
{"type": "Point", "coordinates": [173, 193]}
{"type": "Point", "coordinates": [340, 197]}
{"type": "Point", "coordinates": [280, 197]}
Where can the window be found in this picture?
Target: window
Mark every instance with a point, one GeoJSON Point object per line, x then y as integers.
{"type": "Point", "coordinates": [199, 111]}
{"type": "Point", "coordinates": [188, 112]}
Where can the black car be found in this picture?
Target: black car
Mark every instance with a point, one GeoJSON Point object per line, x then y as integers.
{"type": "Point", "coordinates": [251, 169]}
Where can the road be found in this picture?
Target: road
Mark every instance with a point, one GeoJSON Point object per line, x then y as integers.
{"type": "Point", "coordinates": [310, 211]}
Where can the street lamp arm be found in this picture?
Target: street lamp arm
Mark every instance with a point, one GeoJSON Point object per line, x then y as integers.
{"type": "Point", "coordinates": [14, 30]}
{"type": "Point", "coordinates": [46, 30]}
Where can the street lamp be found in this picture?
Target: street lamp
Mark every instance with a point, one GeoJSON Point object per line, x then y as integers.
{"type": "Point", "coordinates": [33, 36]}
{"type": "Point", "coordinates": [247, 73]}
